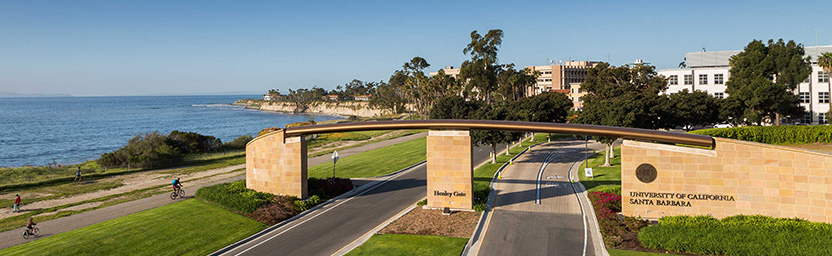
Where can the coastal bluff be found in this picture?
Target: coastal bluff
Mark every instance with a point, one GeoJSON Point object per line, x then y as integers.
{"type": "Point", "coordinates": [345, 108]}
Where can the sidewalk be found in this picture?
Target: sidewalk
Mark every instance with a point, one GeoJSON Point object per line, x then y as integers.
{"type": "Point", "coordinates": [57, 226]}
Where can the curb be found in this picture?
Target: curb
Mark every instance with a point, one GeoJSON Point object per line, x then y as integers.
{"type": "Point", "coordinates": [594, 227]}
{"type": "Point", "coordinates": [313, 209]}
{"type": "Point", "coordinates": [475, 237]}
{"type": "Point", "coordinates": [363, 239]}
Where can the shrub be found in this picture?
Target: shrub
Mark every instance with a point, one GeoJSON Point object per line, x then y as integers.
{"type": "Point", "coordinates": [278, 209]}
{"type": "Point", "coordinates": [423, 202]}
{"type": "Point", "coordinates": [606, 206]}
{"type": "Point", "coordinates": [783, 134]}
{"type": "Point", "coordinates": [303, 205]}
{"type": "Point", "coordinates": [480, 199]}
{"type": "Point", "coordinates": [329, 188]}
{"type": "Point", "coordinates": [191, 142]}
{"type": "Point", "coordinates": [143, 150]}
{"type": "Point", "coordinates": [267, 130]}
{"type": "Point", "coordinates": [739, 235]}
{"type": "Point", "coordinates": [234, 196]}
{"type": "Point", "coordinates": [239, 142]}
{"type": "Point", "coordinates": [614, 189]}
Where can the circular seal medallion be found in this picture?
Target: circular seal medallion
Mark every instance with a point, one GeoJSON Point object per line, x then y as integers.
{"type": "Point", "coordinates": [646, 173]}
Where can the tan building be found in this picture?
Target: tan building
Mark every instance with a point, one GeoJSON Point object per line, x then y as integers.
{"type": "Point", "coordinates": [449, 70]}
{"type": "Point", "coordinates": [558, 77]}
{"type": "Point", "coordinates": [575, 94]}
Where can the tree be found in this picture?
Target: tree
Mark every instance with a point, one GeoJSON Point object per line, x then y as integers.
{"type": "Point", "coordinates": [512, 84]}
{"type": "Point", "coordinates": [454, 107]}
{"type": "Point", "coordinates": [623, 96]}
{"type": "Point", "coordinates": [491, 137]}
{"type": "Point", "coordinates": [825, 62]}
{"type": "Point", "coordinates": [688, 109]}
{"type": "Point", "coordinates": [480, 72]}
{"type": "Point", "coordinates": [763, 80]}
{"type": "Point", "coordinates": [545, 107]}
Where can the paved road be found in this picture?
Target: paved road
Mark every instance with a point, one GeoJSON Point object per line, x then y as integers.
{"type": "Point", "coordinates": [49, 228]}
{"type": "Point", "coordinates": [328, 229]}
{"type": "Point", "coordinates": [555, 226]}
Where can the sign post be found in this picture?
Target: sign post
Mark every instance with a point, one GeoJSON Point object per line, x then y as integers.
{"type": "Point", "coordinates": [334, 161]}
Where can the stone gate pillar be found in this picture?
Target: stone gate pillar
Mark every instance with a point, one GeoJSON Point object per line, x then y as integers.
{"type": "Point", "coordinates": [449, 169]}
{"type": "Point", "coordinates": [276, 164]}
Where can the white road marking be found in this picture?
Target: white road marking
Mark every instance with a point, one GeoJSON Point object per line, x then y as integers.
{"type": "Point", "coordinates": [583, 213]}
{"type": "Point", "coordinates": [322, 212]}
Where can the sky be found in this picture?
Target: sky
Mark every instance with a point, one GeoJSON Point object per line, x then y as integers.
{"type": "Point", "coordinates": [114, 48]}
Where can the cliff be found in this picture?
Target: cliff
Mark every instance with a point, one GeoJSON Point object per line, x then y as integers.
{"type": "Point", "coordinates": [348, 108]}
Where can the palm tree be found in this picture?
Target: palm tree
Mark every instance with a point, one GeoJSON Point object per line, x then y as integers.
{"type": "Point", "coordinates": [825, 62]}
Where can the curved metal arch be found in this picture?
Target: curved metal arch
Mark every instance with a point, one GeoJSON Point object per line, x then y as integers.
{"type": "Point", "coordinates": [575, 129]}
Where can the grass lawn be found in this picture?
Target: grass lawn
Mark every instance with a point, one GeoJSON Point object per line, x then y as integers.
{"type": "Point", "coordinates": [617, 252]}
{"type": "Point", "coordinates": [375, 162]}
{"type": "Point", "coordinates": [190, 227]}
{"type": "Point", "coordinates": [605, 177]}
{"type": "Point", "coordinates": [482, 175]}
{"type": "Point", "coordinates": [397, 244]}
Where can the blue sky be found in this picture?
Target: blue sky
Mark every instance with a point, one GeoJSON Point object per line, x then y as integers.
{"type": "Point", "coordinates": [101, 48]}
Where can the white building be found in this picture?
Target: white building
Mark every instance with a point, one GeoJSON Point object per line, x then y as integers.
{"type": "Point", "coordinates": [708, 71]}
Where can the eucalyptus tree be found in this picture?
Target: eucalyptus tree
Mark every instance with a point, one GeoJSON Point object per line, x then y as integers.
{"type": "Point", "coordinates": [480, 72]}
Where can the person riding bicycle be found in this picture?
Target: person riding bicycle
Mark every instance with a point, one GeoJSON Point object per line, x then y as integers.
{"type": "Point", "coordinates": [176, 184]}
{"type": "Point", "coordinates": [30, 224]}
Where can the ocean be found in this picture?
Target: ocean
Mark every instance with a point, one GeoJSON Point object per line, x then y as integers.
{"type": "Point", "coordinates": [70, 130]}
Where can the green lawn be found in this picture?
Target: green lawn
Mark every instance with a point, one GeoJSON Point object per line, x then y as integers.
{"type": "Point", "coordinates": [617, 252]}
{"type": "Point", "coordinates": [398, 244]}
{"type": "Point", "coordinates": [375, 162]}
{"type": "Point", "coordinates": [190, 227]}
{"type": "Point", "coordinates": [606, 178]}
{"type": "Point", "coordinates": [482, 175]}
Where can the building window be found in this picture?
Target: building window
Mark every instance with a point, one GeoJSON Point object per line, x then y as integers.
{"type": "Point", "coordinates": [673, 80]}
{"type": "Point", "coordinates": [823, 77]}
{"type": "Point", "coordinates": [703, 79]}
{"type": "Point", "coordinates": [807, 118]}
{"type": "Point", "coordinates": [822, 118]}
{"type": "Point", "coordinates": [719, 95]}
{"type": "Point", "coordinates": [823, 97]}
{"type": "Point", "coordinates": [688, 79]}
{"type": "Point", "coordinates": [719, 78]}
{"type": "Point", "coordinates": [805, 97]}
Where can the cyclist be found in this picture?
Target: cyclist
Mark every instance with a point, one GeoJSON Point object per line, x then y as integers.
{"type": "Point", "coordinates": [176, 184]}
{"type": "Point", "coordinates": [30, 225]}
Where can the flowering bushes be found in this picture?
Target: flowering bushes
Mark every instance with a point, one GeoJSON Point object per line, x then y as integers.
{"type": "Point", "coordinates": [606, 206]}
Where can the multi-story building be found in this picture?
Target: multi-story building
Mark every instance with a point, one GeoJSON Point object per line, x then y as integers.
{"type": "Point", "coordinates": [449, 70]}
{"type": "Point", "coordinates": [559, 77]}
{"type": "Point", "coordinates": [708, 71]}
{"type": "Point", "coordinates": [575, 94]}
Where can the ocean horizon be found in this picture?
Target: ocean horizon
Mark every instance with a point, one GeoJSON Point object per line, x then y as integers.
{"type": "Point", "coordinates": [69, 130]}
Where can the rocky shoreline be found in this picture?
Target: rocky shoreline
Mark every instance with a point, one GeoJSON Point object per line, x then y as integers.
{"type": "Point", "coordinates": [344, 108]}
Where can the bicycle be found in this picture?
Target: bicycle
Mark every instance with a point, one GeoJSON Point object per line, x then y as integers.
{"type": "Point", "coordinates": [178, 193]}
{"type": "Point", "coordinates": [35, 232]}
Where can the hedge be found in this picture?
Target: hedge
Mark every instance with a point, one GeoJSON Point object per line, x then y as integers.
{"type": "Point", "coordinates": [783, 134]}
{"type": "Point", "coordinates": [738, 235]}
{"type": "Point", "coordinates": [234, 196]}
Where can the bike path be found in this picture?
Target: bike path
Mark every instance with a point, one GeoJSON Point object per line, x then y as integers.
{"type": "Point", "coordinates": [53, 227]}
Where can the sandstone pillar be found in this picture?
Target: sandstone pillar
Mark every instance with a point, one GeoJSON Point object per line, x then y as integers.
{"type": "Point", "coordinates": [276, 164]}
{"type": "Point", "coordinates": [449, 169]}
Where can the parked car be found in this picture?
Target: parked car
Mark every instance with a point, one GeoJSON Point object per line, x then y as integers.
{"type": "Point", "coordinates": [723, 126]}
